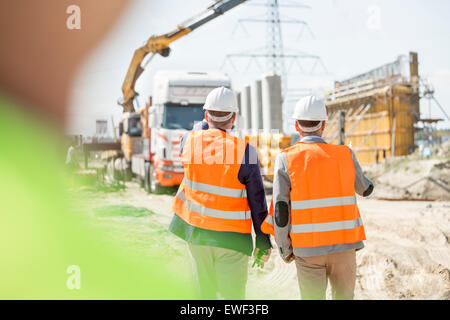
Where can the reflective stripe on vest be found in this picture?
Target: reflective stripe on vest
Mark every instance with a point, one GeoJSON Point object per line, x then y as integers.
{"type": "Point", "coordinates": [323, 202]}
{"type": "Point", "coordinates": [220, 191]}
{"type": "Point", "coordinates": [321, 227]}
{"type": "Point", "coordinates": [211, 196]}
{"type": "Point", "coordinates": [232, 215]}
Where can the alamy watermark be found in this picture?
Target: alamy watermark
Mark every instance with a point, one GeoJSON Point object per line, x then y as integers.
{"type": "Point", "coordinates": [73, 281]}
{"type": "Point", "coordinates": [374, 18]}
{"type": "Point", "coordinates": [216, 147]}
{"type": "Point", "coordinates": [73, 21]}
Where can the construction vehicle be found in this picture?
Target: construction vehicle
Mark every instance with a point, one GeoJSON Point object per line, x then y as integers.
{"type": "Point", "coordinates": [135, 128]}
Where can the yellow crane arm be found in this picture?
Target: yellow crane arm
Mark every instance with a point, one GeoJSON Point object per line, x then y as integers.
{"type": "Point", "coordinates": [157, 44]}
{"type": "Point", "coordinates": [160, 45]}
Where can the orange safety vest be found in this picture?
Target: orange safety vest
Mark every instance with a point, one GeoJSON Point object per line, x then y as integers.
{"type": "Point", "coordinates": [323, 201]}
{"type": "Point", "coordinates": [211, 195]}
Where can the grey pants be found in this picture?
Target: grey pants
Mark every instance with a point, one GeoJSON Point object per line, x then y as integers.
{"type": "Point", "coordinates": [219, 273]}
{"type": "Point", "coordinates": [314, 272]}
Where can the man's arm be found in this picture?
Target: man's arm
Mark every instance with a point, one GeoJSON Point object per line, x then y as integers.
{"type": "Point", "coordinates": [363, 186]}
{"type": "Point", "coordinates": [250, 176]}
{"type": "Point", "coordinates": [281, 203]}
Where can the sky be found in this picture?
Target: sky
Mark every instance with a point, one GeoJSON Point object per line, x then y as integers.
{"type": "Point", "coordinates": [350, 36]}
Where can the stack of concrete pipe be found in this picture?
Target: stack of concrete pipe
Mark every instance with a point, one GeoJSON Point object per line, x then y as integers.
{"type": "Point", "coordinates": [256, 105]}
{"type": "Point", "coordinates": [260, 105]}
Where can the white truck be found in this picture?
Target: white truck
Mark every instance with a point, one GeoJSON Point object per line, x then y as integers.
{"type": "Point", "coordinates": [177, 98]}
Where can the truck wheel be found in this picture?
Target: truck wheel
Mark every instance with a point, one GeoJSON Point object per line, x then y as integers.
{"type": "Point", "coordinates": [154, 186]}
{"type": "Point", "coordinates": [147, 177]}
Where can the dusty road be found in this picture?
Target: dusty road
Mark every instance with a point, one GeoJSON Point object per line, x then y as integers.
{"type": "Point", "coordinates": [407, 253]}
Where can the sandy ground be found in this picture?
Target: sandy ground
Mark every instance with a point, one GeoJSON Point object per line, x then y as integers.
{"type": "Point", "coordinates": [412, 177]}
{"type": "Point", "coordinates": [407, 253]}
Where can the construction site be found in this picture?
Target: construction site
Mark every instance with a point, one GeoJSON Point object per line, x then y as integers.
{"type": "Point", "coordinates": [127, 173]}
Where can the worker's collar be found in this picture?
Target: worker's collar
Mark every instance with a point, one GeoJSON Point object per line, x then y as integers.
{"type": "Point", "coordinates": [312, 139]}
{"type": "Point", "coordinates": [226, 131]}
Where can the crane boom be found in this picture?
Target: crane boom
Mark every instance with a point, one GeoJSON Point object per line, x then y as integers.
{"type": "Point", "coordinates": [160, 45]}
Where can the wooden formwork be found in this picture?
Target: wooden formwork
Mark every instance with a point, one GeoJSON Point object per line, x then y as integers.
{"type": "Point", "coordinates": [378, 123]}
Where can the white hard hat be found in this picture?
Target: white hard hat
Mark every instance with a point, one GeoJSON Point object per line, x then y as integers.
{"type": "Point", "coordinates": [221, 99]}
{"type": "Point", "coordinates": [310, 108]}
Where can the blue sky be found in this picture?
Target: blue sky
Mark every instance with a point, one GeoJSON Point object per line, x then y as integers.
{"type": "Point", "coordinates": [348, 37]}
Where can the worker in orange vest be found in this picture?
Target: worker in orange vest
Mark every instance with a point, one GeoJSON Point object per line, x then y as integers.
{"type": "Point", "coordinates": [220, 199]}
{"type": "Point", "coordinates": [313, 215]}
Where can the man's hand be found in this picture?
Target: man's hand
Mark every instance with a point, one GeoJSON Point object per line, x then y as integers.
{"type": "Point", "coordinates": [289, 258]}
{"type": "Point", "coordinates": [261, 256]}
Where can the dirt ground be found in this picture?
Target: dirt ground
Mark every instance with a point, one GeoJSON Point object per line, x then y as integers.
{"type": "Point", "coordinates": [413, 177]}
{"type": "Point", "coordinates": [407, 253]}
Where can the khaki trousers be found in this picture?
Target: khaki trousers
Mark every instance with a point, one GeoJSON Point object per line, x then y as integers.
{"type": "Point", "coordinates": [219, 273]}
{"type": "Point", "coordinates": [314, 272]}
